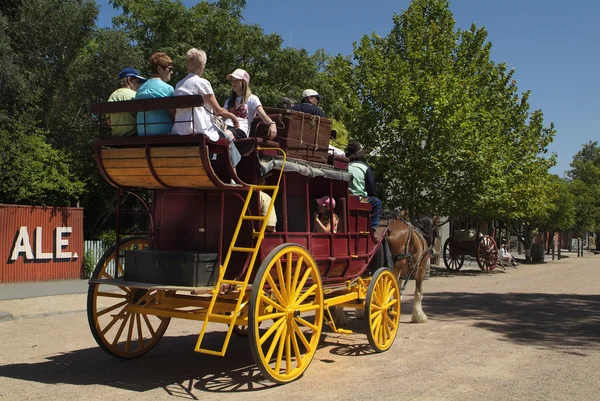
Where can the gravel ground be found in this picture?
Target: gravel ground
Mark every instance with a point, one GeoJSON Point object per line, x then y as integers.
{"type": "Point", "coordinates": [531, 333]}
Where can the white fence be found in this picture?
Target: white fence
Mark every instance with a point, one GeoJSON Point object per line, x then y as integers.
{"type": "Point", "coordinates": [95, 250]}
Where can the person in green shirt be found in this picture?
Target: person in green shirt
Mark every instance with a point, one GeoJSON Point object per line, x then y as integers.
{"type": "Point", "coordinates": [125, 124]}
{"type": "Point", "coordinates": [363, 180]}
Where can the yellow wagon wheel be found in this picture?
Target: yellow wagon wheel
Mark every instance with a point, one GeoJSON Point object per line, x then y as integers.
{"type": "Point", "coordinates": [383, 309]}
{"type": "Point", "coordinates": [287, 289]}
{"type": "Point", "coordinates": [117, 330]}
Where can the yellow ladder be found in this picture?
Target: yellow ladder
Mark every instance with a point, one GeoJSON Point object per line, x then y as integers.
{"type": "Point", "coordinates": [242, 285]}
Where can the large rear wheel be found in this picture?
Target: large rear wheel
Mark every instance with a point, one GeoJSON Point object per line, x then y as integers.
{"type": "Point", "coordinates": [382, 308]}
{"type": "Point", "coordinates": [287, 289]}
{"type": "Point", "coordinates": [487, 253]}
{"type": "Point", "coordinates": [117, 330]}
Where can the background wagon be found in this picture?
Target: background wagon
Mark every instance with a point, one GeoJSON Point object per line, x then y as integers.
{"type": "Point", "coordinates": [470, 242]}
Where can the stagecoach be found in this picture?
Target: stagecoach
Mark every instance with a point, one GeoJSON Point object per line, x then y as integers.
{"type": "Point", "coordinates": [206, 254]}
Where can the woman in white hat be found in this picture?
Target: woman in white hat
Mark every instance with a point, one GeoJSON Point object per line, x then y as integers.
{"type": "Point", "coordinates": [245, 106]}
{"type": "Point", "coordinates": [324, 217]}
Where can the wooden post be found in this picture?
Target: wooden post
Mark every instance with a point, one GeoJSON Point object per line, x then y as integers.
{"type": "Point", "coordinates": [553, 246]}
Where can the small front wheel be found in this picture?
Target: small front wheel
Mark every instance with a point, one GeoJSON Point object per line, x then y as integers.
{"type": "Point", "coordinates": [287, 289]}
{"type": "Point", "coordinates": [382, 308]}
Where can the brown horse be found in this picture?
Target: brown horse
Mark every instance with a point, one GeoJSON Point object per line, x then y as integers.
{"type": "Point", "coordinates": [410, 246]}
{"type": "Point", "coordinates": [409, 251]}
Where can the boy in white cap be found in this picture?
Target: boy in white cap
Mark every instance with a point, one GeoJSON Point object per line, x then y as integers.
{"type": "Point", "coordinates": [309, 103]}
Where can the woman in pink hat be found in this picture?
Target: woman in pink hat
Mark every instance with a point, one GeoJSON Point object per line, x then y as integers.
{"type": "Point", "coordinates": [322, 219]}
{"type": "Point", "coordinates": [245, 106]}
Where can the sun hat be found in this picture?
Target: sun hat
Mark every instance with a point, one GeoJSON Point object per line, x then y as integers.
{"type": "Point", "coordinates": [131, 72]}
{"type": "Point", "coordinates": [354, 150]}
{"type": "Point", "coordinates": [310, 92]}
{"type": "Point", "coordinates": [239, 74]}
{"type": "Point", "coordinates": [324, 201]}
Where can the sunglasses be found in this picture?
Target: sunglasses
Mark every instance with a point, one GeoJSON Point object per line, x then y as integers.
{"type": "Point", "coordinates": [169, 68]}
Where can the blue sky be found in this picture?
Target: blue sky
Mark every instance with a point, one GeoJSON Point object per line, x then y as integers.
{"type": "Point", "coordinates": [552, 44]}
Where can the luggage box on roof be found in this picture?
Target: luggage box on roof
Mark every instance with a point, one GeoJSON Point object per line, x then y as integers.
{"type": "Point", "coordinates": [301, 135]}
{"type": "Point", "coordinates": [181, 268]}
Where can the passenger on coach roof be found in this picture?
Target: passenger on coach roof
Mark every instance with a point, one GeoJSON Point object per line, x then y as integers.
{"type": "Point", "coordinates": [245, 106]}
{"type": "Point", "coordinates": [363, 180]}
{"type": "Point", "coordinates": [198, 120]}
{"type": "Point", "coordinates": [124, 124]}
{"type": "Point", "coordinates": [309, 103]}
{"type": "Point", "coordinates": [157, 122]}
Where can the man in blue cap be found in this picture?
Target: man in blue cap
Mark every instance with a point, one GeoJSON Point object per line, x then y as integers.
{"type": "Point", "coordinates": [125, 124]}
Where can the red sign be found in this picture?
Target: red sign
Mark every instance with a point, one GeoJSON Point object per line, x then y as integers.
{"type": "Point", "coordinates": [40, 243]}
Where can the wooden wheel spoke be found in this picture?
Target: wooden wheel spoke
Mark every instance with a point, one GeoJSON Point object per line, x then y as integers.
{"type": "Point", "coordinates": [264, 298]}
{"type": "Point", "coordinates": [274, 290]}
{"type": "Point", "coordinates": [129, 333]}
{"type": "Point", "coordinates": [120, 331]}
{"type": "Point", "coordinates": [308, 293]}
{"type": "Point", "coordinates": [149, 325]}
{"type": "Point", "coordinates": [297, 273]}
{"type": "Point", "coordinates": [139, 329]}
{"type": "Point", "coordinates": [280, 349]}
{"type": "Point", "coordinates": [375, 315]}
{"type": "Point", "coordinates": [114, 320]}
{"type": "Point", "coordinates": [288, 350]}
{"type": "Point", "coordinates": [112, 308]}
{"type": "Point", "coordinates": [270, 331]}
{"type": "Point", "coordinates": [295, 346]}
{"type": "Point", "coordinates": [270, 316]}
{"type": "Point", "coordinates": [301, 336]}
{"type": "Point", "coordinates": [390, 303]}
{"type": "Point", "coordinates": [288, 273]}
{"type": "Point", "coordinates": [281, 279]}
{"type": "Point", "coordinates": [301, 284]}
{"type": "Point", "coordinates": [306, 323]}
{"type": "Point", "coordinates": [276, 341]}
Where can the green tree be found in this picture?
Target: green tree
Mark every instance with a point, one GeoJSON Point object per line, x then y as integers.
{"type": "Point", "coordinates": [449, 131]}
{"type": "Point", "coordinates": [585, 186]}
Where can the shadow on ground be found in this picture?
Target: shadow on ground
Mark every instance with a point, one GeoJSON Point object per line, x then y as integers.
{"type": "Point", "coordinates": [173, 366]}
{"type": "Point", "coordinates": [546, 320]}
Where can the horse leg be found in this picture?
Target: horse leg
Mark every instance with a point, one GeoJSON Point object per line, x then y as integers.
{"type": "Point", "coordinates": [418, 316]}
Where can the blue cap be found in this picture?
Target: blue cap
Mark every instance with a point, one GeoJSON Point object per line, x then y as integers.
{"type": "Point", "coordinates": [131, 72]}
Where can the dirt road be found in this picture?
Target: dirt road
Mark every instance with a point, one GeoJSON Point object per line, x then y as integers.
{"type": "Point", "coordinates": [530, 333]}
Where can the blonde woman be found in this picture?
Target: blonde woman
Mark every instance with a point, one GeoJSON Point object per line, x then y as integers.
{"type": "Point", "coordinates": [245, 106]}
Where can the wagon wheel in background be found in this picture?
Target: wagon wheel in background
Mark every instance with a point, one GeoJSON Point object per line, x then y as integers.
{"type": "Point", "coordinates": [382, 308]}
{"type": "Point", "coordinates": [452, 259]}
{"type": "Point", "coordinates": [487, 253]}
{"type": "Point", "coordinates": [118, 331]}
{"type": "Point", "coordinates": [287, 289]}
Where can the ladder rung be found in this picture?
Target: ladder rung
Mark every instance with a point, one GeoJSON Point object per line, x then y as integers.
{"type": "Point", "coordinates": [232, 282]}
{"type": "Point", "coordinates": [264, 186]}
{"type": "Point", "coordinates": [218, 318]}
{"type": "Point", "coordinates": [255, 233]}
{"type": "Point", "coordinates": [254, 217]}
{"type": "Point", "coordinates": [242, 249]}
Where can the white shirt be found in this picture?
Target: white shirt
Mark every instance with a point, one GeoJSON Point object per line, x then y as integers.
{"type": "Point", "coordinates": [244, 113]}
{"type": "Point", "coordinates": [194, 120]}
